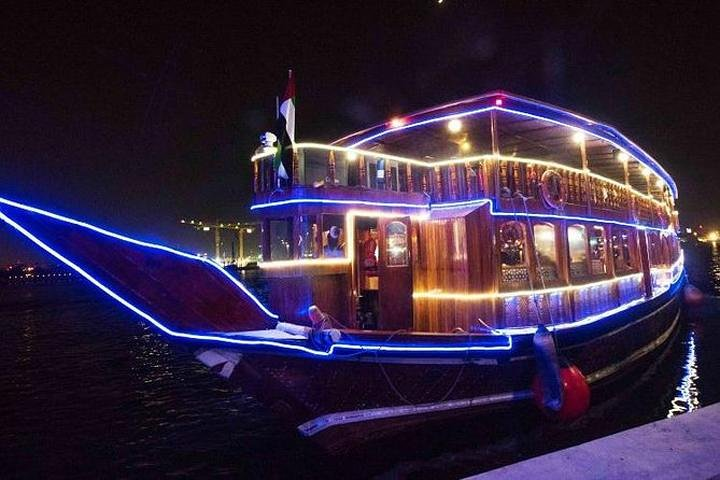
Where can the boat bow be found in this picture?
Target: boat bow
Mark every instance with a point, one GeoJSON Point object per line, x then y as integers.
{"type": "Point", "coordinates": [180, 293]}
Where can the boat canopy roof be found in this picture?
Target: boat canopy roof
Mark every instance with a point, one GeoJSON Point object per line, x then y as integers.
{"type": "Point", "coordinates": [525, 128]}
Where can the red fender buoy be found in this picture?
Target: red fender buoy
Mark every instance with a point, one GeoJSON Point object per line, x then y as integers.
{"type": "Point", "coordinates": [576, 395]}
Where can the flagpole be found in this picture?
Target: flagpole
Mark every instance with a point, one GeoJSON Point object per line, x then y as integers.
{"type": "Point", "coordinates": [277, 116]}
{"type": "Point", "coordinates": [295, 175]}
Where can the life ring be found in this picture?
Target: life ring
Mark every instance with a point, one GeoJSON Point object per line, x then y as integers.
{"type": "Point", "coordinates": [553, 190]}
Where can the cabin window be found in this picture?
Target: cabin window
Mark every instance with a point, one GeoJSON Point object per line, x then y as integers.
{"type": "Point", "coordinates": [372, 174]}
{"type": "Point", "coordinates": [313, 166]}
{"type": "Point", "coordinates": [396, 248]}
{"type": "Point", "coordinates": [512, 254]}
{"type": "Point", "coordinates": [280, 239]}
{"type": "Point", "coordinates": [577, 249]}
{"type": "Point", "coordinates": [621, 250]}
{"type": "Point", "coordinates": [665, 243]}
{"type": "Point", "coordinates": [393, 181]}
{"type": "Point", "coordinates": [445, 181]}
{"type": "Point", "coordinates": [307, 232]}
{"type": "Point", "coordinates": [380, 174]}
{"type": "Point", "coordinates": [674, 249]}
{"type": "Point", "coordinates": [546, 252]}
{"type": "Point", "coordinates": [342, 170]}
{"type": "Point", "coordinates": [418, 179]}
{"type": "Point", "coordinates": [512, 248]}
{"type": "Point", "coordinates": [462, 182]}
{"type": "Point", "coordinates": [402, 178]}
{"type": "Point", "coordinates": [597, 250]}
{"type": "Point", "coordinates": [353, 172]}
{"type": "Point", "coordinates": [333, 236]}
{"type": "Point", "coordinates": [653, 242]}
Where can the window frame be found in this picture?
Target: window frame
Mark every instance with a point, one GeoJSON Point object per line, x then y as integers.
{"type": "Point", "coordinates": [557, 254]}
{"type": "Point", "coordinates": [324, 225]}
{"type": "Point", "coordinates": [607, 271]}
{"type": "Point", "coordinates": [524, 264]}
{"type": "Point", "coordinates": [630, 260]}
{"type": "Point", "coordinates": [290, 225]}
{"type": "Point", "coordinates": [588, 268]}
{"type": "Point", "coordinates": [314, 236]}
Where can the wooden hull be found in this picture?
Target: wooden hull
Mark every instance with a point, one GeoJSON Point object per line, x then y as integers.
{"type": "Point", "coordinates": [339, 402]}
{"type": "Point", "coordinates": [367, 384]}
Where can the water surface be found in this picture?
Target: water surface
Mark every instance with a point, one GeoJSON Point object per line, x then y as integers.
{"type": "Point", "coordinates": [87, 391]}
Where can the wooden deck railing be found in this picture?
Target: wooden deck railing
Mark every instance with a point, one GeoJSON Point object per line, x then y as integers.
{"type": "Point", "coordinates": [463, 179]}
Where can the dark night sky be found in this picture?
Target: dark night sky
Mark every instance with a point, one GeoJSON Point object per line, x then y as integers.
{"type": "Point", "coordinates": [136, 117]}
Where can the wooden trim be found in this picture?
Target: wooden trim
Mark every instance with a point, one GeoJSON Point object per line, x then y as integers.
{"type": "Point", "coordinates": [438, 190]}
{"type": "Point", "coordinates": [453, 183]}
{"type": "Point", "coordinates": [295, 167]}
{"type": "Point", "coordinates": [256, 177]}
{"type": "Point", "coordinates": [645, 262]}
{"type": "Point", "coordinates": [306, 270]}
{"type": "Point", "coordinates": [362, 172]}
{"type": "Point", "coordinates": [331, 168]}
{"type": "Point", "coordinates": [317, 425]}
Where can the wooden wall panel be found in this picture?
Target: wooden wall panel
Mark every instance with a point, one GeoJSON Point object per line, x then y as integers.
{"type": "Point", "coordinates": [483, 262]}
{"type": "Point", "coordinates": [291, 296]}
{"type": "Point", "coordinates": [454, 255]}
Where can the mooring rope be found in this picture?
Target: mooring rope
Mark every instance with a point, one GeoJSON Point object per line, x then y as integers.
{"type": "Point", "coordinates": [399, 394]}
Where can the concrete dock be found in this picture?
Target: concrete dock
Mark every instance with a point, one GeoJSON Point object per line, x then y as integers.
{"type": "Point", "coordinates": [682, 447]}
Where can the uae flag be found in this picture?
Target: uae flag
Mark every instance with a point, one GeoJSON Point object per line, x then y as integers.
{"type": "Point", "coordinates": [286, 130]}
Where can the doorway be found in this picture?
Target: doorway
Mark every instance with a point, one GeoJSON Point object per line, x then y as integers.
{"type": "Point", "coordinates": [368, 281]}
{"type": "Point", "coordinates": [384, 273]}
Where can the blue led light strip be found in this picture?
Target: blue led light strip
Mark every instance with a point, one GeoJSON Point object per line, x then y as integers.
{"type": "Point", "coordinates": [579, 219]}
{"type": "Point", "coordinates": [466, 203]}
{"type": "Point", "coordinates": [599, 316]}
{"type": "Point", "coordinates": [648, 162]}
{"type": "Point", "coordinates": [507, 333]}
{"type": "Point", "coordinates": [653, 164]}
{"type": "Point", "coordinates": [364, 203]}
{"type": "Point", "coordinates": [140, 243]}
{"type": "Point", "coordinates": [217, 338]}
{"type": "Point", "coordinates": [421, 123]}
{"type": "Point", "coordinates": [451, 205]}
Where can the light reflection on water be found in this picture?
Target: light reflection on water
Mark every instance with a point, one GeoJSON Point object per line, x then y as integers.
{"type": "Point", "coordinates": [715, 267]}
{"type": "Point", "coordinates": [687, 398]}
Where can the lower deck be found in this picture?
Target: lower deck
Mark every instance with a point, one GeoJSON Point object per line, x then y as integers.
{"type": "Point", "coordinates": [345, 398]}
{"type": "Point", "coordinates": [464, 269]}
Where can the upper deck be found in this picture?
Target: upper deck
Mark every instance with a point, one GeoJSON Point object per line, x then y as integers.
{"type": "Point", "coordinates": [496, 146]}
